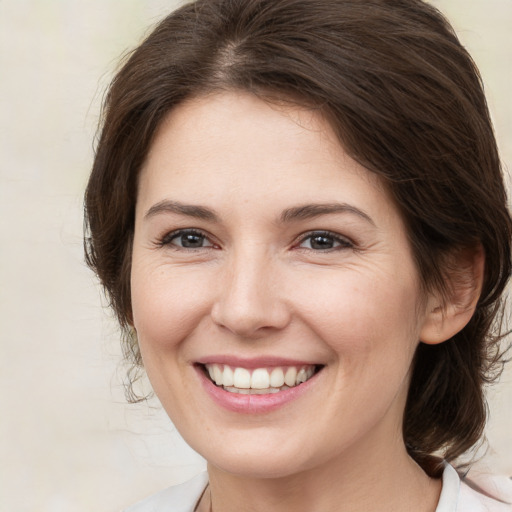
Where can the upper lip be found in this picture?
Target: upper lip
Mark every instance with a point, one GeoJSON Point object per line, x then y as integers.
{"type": "Point", "coordinates": [254, 362]}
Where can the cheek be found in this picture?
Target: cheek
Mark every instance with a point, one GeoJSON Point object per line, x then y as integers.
{"type": "Point", "coordinates": [363, 316]}
{"type": "Point", "coordinates": [167, 305]}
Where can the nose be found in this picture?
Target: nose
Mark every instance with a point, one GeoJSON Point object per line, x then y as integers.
{"type": "Point", "coordinates": [250, 302]}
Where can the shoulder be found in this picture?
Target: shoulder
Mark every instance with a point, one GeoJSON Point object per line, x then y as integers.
{"type": "Point", "coordinates": [183, 497]}
{"type": "Point", "coordinates": [466, 496]}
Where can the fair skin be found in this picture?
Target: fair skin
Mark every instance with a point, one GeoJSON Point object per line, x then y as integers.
{"type": "Point", "coordinates": [260, 244]}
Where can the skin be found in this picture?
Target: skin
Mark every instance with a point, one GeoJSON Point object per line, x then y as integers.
{"type": "Point", "coordinates": [258, 287]}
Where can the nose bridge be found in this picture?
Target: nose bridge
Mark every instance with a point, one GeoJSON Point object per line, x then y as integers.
{"type": "Point", "coordinates": [249, 300]}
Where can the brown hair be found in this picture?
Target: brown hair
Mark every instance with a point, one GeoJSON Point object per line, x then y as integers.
{"type": "Point", "coordinates": [406, 101]}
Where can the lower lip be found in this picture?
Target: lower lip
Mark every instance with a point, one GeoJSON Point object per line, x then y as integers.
{"type": "Point", "coordinates": [253, 404]}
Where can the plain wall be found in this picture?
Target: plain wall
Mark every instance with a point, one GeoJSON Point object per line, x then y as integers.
{"type": "Point", "coordinates": [68, 440]}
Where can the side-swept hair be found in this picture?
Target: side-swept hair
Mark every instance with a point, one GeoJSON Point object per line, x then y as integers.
{"type": "Point", "coordinates": [406, 101]}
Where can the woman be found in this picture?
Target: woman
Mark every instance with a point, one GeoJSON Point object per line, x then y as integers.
{"type": "Point", "coordinates": [297, 211]}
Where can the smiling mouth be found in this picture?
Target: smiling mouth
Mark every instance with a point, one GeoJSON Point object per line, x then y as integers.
{"type": "Point", "coordinates": [259, 381]}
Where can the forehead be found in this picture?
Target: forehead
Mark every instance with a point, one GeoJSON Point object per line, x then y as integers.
{"type": "Point", "coordinates": [229, 142]}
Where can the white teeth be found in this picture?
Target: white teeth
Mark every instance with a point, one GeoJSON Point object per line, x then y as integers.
{"type": "Point", "coordinates": [301, 376]}
{"type": "Point", "coordinates": [217, 375]}
{"type": "Point", "coordinates": [227, 377]}
{"type": "Point", "coordinates": [261, 380]}
{"type": "Point", "coordinates": [290, 376]}
{"type": "Point", "coordinates": [242, 378]}
{"type": "Point", "coordinates": [268, 391]}
{"type": "Point", "coordinates": [277, 378]}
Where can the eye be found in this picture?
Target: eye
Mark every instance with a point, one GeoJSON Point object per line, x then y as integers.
{"type": "Point", "coordinates": [324, 241]}
{"type": "Point", "coordinates": [187, 239]}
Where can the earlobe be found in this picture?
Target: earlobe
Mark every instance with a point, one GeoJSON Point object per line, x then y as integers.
{"type": "Point", "coordinates": [448, 313]}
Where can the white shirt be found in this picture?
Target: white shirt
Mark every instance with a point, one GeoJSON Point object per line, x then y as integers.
{"type": "Point", "coordinates": [456, 496]}
{"type": "Point", "coordinates": [460, 496]}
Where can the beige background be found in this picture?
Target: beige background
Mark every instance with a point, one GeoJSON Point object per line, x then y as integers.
{"type": "Point", "coordinates": [68, 441]}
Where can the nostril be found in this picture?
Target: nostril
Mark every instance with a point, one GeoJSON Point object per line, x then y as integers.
{"type": "Point", "coordinates": [250, 322]}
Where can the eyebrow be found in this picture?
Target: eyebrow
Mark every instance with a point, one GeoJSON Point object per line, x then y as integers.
{"type": "Point", "coordinates": [301, 212]}
{"type": "Point", "coordinates": [310, 211]}
{"type": "Point", "coordinates": [195, 211]}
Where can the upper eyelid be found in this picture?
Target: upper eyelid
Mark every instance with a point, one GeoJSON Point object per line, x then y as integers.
{"type": "Point", "coordinates": [171, 235]}
{"type": "Point", "coordinates": [319, 232]}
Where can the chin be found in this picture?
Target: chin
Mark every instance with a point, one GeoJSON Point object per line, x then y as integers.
{"type": "Point", "coordinates": [261, 461]}
{"type": "Point", "coordinates": [256, 467]}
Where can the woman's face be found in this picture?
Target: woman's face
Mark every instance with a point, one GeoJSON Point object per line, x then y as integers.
{"type": "Point", "coordinates": [265, 255]}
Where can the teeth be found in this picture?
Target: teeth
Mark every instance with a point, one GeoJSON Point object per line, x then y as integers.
{"type": "Point", "coordinates": [241, 378]}
{"type": "Point", "coordinates": [301, 376]}
{"type": "Point", "coordinates": [290, 376]}
{"type": "Point", "coordinates": [232, 389]}
{"type": "Point", "coordinates": [277, 378]}
{"type": "Point", "coordinates": [217, 375]}
{"type": "Point", "coordinates": [261, 380]}
{"type": "Point", "coordinates": [228, 377]}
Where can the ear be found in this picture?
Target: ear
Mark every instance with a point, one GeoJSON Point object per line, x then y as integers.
{"type": "Point", "coordinates": [448, 313]}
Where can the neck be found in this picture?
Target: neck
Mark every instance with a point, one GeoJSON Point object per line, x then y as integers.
{"type": "Point", "coordinates": [383, 481]}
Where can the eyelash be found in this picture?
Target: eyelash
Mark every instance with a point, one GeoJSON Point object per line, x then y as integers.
{"type": "Point", "coordinates": [343, 242]}
{"type": "Point", "coordinates": [169, 237]}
